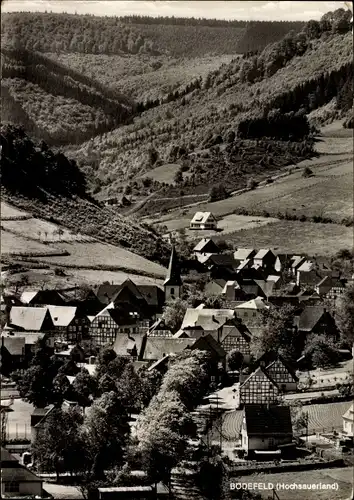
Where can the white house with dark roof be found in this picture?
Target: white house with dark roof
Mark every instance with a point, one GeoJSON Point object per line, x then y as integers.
{"type": "Point", "coordinates": [203, 220]}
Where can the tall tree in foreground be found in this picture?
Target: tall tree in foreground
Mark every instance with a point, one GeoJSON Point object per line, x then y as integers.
{"type": "Point", "coordinates": [106, 432]}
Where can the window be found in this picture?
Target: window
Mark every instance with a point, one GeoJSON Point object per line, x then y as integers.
{"type": "Point", "coordinates": [172, 291]}
{"type": "Point", "coordinates": [12, 487]}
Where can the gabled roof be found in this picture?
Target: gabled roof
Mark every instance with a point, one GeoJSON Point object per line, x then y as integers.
{"type": "Point", "coordinates": [14, 345]}
{"type": "Point", "coordinates": [159, 326]}
{"type": "Point", "coordinates": [173, 277]}
{"type": "Point", "coordinates": [106, 292]}
{"type": "Point", "coordinates": [62, 315]}
{"type": "Point", "coordinates": [202, 217]}
{"type": "Point", "coordinates": [208, 319]}
{"type": "Point", "coordinates": [244, 253]}
{"type": "Point", "coordinates": [297, 260]}
{"type": "Point", "coordinates": [153, 294]}
{"type": "Point", "coordinates": [26, 297]}
{"type": "Point", "coordinates": [306, 266]}
{"type": "Point", "coordinates": [125, 343]}
{"type": "Point", "coordinates": [208, 343]}
{"type": "Point", "coordinates": [181, 334]}
{"type": "Point", "coordinates": [349, 414]}
{"type": "Point", "coordinates": [28, 318]}
{"type": "Point", "coordinates": [121, 315]}
{"type": "Point", "coordinates": [309, 317]}
{"type": "Point", "coordinates": [263, 420]}
{"type": "Point", "coordinates": [159, 362]}
{"type": "Point", "coordinates": [158, 347]}
{"type": "Point", "coordinates": [224, 260]}
{"type": "Point", "coordinates": [262, 253]}
{"type": "Point", "coordinates": [256, 304]}
{"type": "Point", "coordinates": [206, 245]}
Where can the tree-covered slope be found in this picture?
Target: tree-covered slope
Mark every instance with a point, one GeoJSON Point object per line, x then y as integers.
{"type": "Point", "coordinates": [51, 186]}
{"type": "Point", "coordinates": [201, 128]}
{"type": "Point", "coordinates": [56, 103]}
{"type": "Point", "coordinates": [178, 37]}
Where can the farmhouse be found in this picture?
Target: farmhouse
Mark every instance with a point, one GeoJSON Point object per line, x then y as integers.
{"type": "Point", "coordinates": [201, 321]}
{"type": "Point", "coordinates": [32, 319]}
{"type": "Point", "coordinates": [265, 428]}
{"type": "Point", "coordinates": [203, 220]}
{"type": "Point", "coordinates": [258, 388]}
{"type": "Point", "coordinates": [264, 258]}
{"type": "Point", "coordinates": [242, 254]}
{"type": "Point", "coordinates": [17, 480]}
{"type": "Point", "coordinates": [316, 320]}
{"type": "Point", "coordinates": [68, 323]}
{"type": "Point", "coordinates": [251, 312]}
{"type": "Point", "coordinates": [112, 321]}
{"type": "Point", "coordinates": [206, 246]}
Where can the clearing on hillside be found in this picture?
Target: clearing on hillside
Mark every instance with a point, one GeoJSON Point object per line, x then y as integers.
{"type": "Point", "coordinates": [92, 255]}
{"type": "Point", "coordinates": [295, 237]}
{"type": "Point", "coordinates": [14, 244]}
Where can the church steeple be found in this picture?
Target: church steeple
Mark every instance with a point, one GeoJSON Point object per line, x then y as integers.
{"type": "Point", "coordinates": [173, 281]}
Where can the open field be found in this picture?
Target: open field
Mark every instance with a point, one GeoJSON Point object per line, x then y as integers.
{"type": "Point", "coordinates": [42, 230]}
{"type": "Point", "coordinates": [226, 225]}
{"type": "Point", "coordinates": [8, 212]}
{"type": "Point", "coordinates": [309, 196]}
{"type": "Point", "coordinates": [95, 254]}
{"type": "Point", "coordinates": [15, 245]}
{"type": "Point", "coordinates": [166, 173]}
{"type": "Point", "coordinates": [295, 237]}
{"type": "Point", "coordinates": [343, 476]}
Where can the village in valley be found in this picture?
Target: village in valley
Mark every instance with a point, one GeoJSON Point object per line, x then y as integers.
{"type": "Point", "coordinates": [177, 263]}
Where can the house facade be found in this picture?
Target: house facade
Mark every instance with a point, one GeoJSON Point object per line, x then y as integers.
{"type": "Point", "coordinates": [203, 220]}
{"type": "Point", "coordinates": [265, 428]}
{"type": "Point", "coordinates": [258, 388]}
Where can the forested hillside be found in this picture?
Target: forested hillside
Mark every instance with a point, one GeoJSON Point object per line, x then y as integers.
{"type": "Point", "coordinates": [51, 187]}
{"type": "Point", "coordinates": [204, 129]}
{"type": "Point", "coordinates": [56, 103]}
{"type": "Point", "coordinates": [178, 37]}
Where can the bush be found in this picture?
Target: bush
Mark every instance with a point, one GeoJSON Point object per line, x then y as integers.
{"type": "Point", "coordinates": [252, 184]}
{"type": "Point", "coordinates": [307, 172]}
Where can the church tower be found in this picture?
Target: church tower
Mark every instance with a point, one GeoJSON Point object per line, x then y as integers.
{"type": "Point", "coordinates": [173, 282]}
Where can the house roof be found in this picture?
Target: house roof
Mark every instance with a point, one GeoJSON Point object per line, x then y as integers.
{"type": "Point", "coordinates": [309, 317]}
{"type": "Point", "coordinates": [208, 319]}
{"type": "Point", "coordinates": [14, 345]}
{"type": "Point", "coordinates": [6, 456]}
{"type": "Point", "coordinates": [202, 217]}
{"type": "Point", "coordinates": [243, 253]}
{"type": "Point", "coordinates": [262, 253]}
{"type": "Point", "coordinates": [159, 362]}
{"type": "Point", "coordinates": [62, 315]}
{"type": "Point", "coordinates": [208, 343]}
{"type": "Point", "coordinates": [153, 294]}
{"type": "Point", "coordinates": [173, 277]}
{"type": "Point", "coordinates": [28, 318]}
{"type": "Point", "coordinates": [158, 347]}
{"type": "Point", "coordinates": [263, 420]}
{"type": "Point", "coordinates": [297, 260]}
{"type": "Point", "coordinates": [158, 326]}
{"type": "Point", "coordinates": [258, 303]}
{"type": "Point", "coordinates": [182, 334]}
{"type": "Point", "coordinates": [26, 297]}
{"type": "Point", "coordinates": [223, 259]}
{"type": "Point", "coordinates": [205, 244]}
{"type": "Point", "coordinates": [126, 342]}
{"type": "Point", "coordinates": [349, 414]}
{"type": "Point", "coordinates": [306, 267]}
{"type": "Point", "coordinates": [121, 315]}
{"type": "Point", "coordinates": [106, 292]}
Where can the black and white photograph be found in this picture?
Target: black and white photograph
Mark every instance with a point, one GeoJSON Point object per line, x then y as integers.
{"type": "Point", "coordinates": [177, 250]}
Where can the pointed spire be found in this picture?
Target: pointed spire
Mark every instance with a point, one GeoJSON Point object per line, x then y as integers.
{"type": "Point", "coordinates": [173, 277]}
